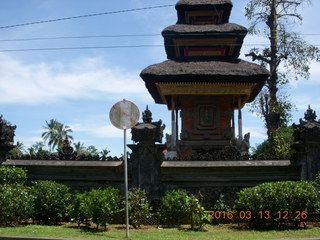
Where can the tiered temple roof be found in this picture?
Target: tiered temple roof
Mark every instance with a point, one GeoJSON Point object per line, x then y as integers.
{"type": "Point", "coordinates": [203, 47]}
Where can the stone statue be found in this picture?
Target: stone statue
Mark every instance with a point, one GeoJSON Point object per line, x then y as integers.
{"type": "Point", "coordinates": [171, 152]}
{"type": "Point", "coordinates": [67, 150]}
{"type": "Point", "coordinates": [245, 144]}
{"type": "Point", "coordinates": [147, 116]}
{"type": "Point", "coordinates": [310, 115]}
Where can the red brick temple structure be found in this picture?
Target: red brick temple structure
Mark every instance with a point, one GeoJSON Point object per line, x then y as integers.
{"type": "Point", "coordinates": [203, 78]}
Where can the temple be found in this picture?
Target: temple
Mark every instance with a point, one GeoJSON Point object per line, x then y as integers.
{"type": "Point", "coordinates": [203, 78]}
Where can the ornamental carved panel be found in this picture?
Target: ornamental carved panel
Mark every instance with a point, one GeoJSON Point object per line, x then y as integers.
{"type": "Point", "coordinates": [206, 118]}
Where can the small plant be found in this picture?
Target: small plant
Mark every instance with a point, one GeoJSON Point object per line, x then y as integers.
{"type": "Point", "coordinates": [174, 207]}
{"type": "Point", "coordinates": [198, 216]}
{"type": "Point", "coordinates": [51, 201]}
{"type": "Point", "coordinates": [12, 175]}
{"type": "Point", "coordinates": [98, 205]}
{"type": "Point", "coordinates": [16, 203]}
{"type": "Point", "coordinates": [80, 212]}
{"type": "Point", "coordinates": [178, 207]}
{"type": "Point", "coordinates": [139, 207]}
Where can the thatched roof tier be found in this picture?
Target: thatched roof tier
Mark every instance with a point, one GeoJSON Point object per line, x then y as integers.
{"type": "Point", "coordinates": [204, 29]}
{"type": "Point", "coordinates": [220, 7]}
{"type": "Point", "coordinates": [218, 41]}
{"type": "Point", "coordinates": [211, 72]}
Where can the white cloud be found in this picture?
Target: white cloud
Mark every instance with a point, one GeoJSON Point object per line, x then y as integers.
{"type": "Point", "coordinates": [51, 82]}
{"type": "Point", "coordinates": [99, 131]}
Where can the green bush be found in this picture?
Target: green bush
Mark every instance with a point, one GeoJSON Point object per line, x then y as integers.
{"type": "Point", "coordinates": [16, 203]}
{"type": "Point", "coordinates": [139, 207]}
{"type": "Point", "coordinates": [80, 212]}
{"type": "Point", "coordinates": [51, 201]}
{"type": "Point", "coordinates": [198, 216]}
{"type": "Point", "coordinates": [98, 205]}
{"type": "Point", "coordinates": [178, 207]}
{"type": "Point", "coordinates": [12, 175]}
{"type": "Point", "coordinates": [271, 204]}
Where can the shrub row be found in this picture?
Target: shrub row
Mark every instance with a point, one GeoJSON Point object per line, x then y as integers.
{"type": "Point", "coordinates": [45, 201]}
{"type": "Point", "coordinates": [268, 204]}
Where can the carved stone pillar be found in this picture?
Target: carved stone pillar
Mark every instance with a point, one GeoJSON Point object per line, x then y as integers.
{"type": "Point", "coordinates": [146, 157]}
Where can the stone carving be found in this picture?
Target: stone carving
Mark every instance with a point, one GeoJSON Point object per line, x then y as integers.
{"type": "Point", "coordinates": [309, 129]}
{"type": "Point", "coordinates": [67, 150]}
{"type": "Point", "coordinates": [310, 115]}
{"type": "Point", "coordinates": [147, 116]}
{"type": "Point", "coordinates": [148, 131]}
{"type": "Point", "coordinates": [245, 144]}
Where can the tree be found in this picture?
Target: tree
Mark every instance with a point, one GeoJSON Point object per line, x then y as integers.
{"type": "Point", "coordinates": [55, 133]}
{"type": "Point", "coordinates": [287, 50]}
{"type": "Point", "coordinates": [92, 150]}
{"type": "Point", "coordinates": [18, 151]}
{"type": "Point", "coordinates": [37, 148]}
{"type": "Point", "coordinates": [105, 152]}
{"type": "Point", "coordinates": [79, 148]}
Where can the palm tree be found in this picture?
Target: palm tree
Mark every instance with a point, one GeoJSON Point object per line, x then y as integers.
{"type": "Point", "coordinates": [55, 133]}
{"type": "Point", "coordinates": [79, 148]}
{"type": "Point", "coordinates": [18, 151]}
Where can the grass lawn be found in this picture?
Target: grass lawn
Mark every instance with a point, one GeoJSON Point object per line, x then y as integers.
{"type": "Point", "coordinates": [150, 232]}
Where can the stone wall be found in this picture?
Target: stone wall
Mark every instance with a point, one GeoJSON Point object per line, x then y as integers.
{"type": "Point", "coordinates": [79, 175]}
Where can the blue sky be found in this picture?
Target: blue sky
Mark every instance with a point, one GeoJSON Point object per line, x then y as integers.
{"type": "Point", "coordinates": [78, 87]}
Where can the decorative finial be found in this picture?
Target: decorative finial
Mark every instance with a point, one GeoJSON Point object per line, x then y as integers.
{"type": "Point", "coordinates": [147, 116]}
{"type": "Point", "coordinates": [310, 115]}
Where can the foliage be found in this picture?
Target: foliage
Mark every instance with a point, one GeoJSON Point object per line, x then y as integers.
{"type": "Point", "coordinates": [79, 148]}
{"type": "Point", "coordinates": [12, 175]}
{"type": "Point", "coordinates": [80, 212]}
{"type": "Point", "coordinates": [283, 140]}
{"type": "Point", "coordinates": [174, 207]}
{"type": "Point", "coordinates": [317, 179]}
{"type": "Point", "coordinates": [104, 153]}
{"type": "Point", "coordinates": [55, 133]}
{"type": "Point", "coordinates": [92, 150]}
{"type": "Point", "coordinates": [139, 207]}
{"type": "Point", "coordinates": [16, 203]}
{"type": "Point", "coordinates": [220, 204]}
{"type": "Point", "coordinates": [276, 203]}
{"type": "Point", "coordinates": [52, 201]}
{"type": "Point", "coordinates": [287, 51]}
{"type": "Point", "coordinates": [177, 206]}
{"type": "Point", "coordinates": [18, 151]}
{"type": "Point", "coordinates": [99, 205]}
{"type": "Point", "coordinates": [198, 216]}
{"type": "Point", "coordinates": [37, 149]}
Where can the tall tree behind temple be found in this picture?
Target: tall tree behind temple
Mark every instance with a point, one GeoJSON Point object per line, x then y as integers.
{"type": "Point", "coordinates": [55, 133]}
{"type": "Point", "coordinates": [288, 56]}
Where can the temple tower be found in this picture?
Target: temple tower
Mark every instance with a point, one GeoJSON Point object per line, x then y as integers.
{"type": "Point", "coordinates": [203, 78]}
